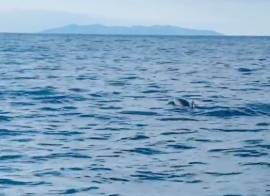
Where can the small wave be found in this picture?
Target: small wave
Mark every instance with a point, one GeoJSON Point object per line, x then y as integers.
{"type": "Point", "coordinates": [226, 112]}
{"type": "Point", "coordinates": [145, 151]}
{"type": "Point", "coordinates": [158, 176]}
{"type": "Point", "coordinates": [245, 70]}
{"type": "Point", "coordinates": [79, 190]}
{"type": "Point", "coordinates": [263, 124]}
{"type": "Point", "coordinates": [240, 152]}
{"type": "Point", "coordinates": [223, 174]}
{"type": "Point", "coordinates": [5, 118]}
{"type": "Point", "coordinates": [257, 164]}
{"type": "Point", "coordinates": [140, 113]}
{"type": "Point", "coordinates": [240, 130]}
{"type": "Point", "coordinates": [181, 147]}
{"type": "Point", "coordinates": [154, 91]}
{"type": "Point", "coordinates": [137, 137]}
{"type": "Point", "coordinates": [10, 182]}
{"type": "Point", "coordinates": [10, 157]}
{"type": "Point", "coordinates": [179, 132]}
{"type": "Point", "coordinates": [61, 155]}
{"type": "Point", "coordinates": [177, 119]}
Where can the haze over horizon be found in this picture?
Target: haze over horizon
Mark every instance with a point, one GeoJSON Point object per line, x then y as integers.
{"type": "Point", "coordinates": [230, 17]}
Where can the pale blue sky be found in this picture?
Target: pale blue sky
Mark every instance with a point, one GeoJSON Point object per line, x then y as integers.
{"type": "Point", "coordinates": [231, 17]}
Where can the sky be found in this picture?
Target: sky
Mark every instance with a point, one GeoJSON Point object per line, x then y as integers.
{"type": "Point", "coordinates": [230, 17]}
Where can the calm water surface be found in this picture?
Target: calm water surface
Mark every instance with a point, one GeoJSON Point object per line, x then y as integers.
{"type": "Point", "coordinates": [88, 115]}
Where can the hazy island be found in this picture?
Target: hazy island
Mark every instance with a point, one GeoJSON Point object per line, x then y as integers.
{"type": "Point", "coordinates": [133, 30]}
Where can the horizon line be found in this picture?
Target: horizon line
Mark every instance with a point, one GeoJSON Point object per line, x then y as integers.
{"type": "Point", "coordinates": [87, 34]}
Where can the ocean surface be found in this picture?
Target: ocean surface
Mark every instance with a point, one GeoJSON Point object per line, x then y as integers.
{"type": "Point", "coordinates": [89, 115]}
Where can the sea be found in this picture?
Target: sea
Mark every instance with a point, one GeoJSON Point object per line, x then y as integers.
{"type": "Point", "coordinates": [89, 115]}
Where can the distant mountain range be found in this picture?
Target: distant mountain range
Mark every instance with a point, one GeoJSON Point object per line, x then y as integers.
{"type": "Point", "coordinates": [133, 30]}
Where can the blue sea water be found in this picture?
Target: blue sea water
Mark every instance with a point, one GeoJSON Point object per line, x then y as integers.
{"type": "Point", "coordinates": [89, 115]}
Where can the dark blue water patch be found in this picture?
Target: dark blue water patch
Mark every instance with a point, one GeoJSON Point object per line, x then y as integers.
{"type": "Point", "coordinates": [141, 125]}
{"type": "Point", "coordinates": [240, 130]}
{"type": "Point", "coordinates": [204, 140]}
{"type": "Point", "coordinates": [8, 132]}
{"type": "Point", "coordinates": [79, 190]}
{"type": "Point", "coordinates": [180, 146]}
{"type": "Point", "coordinates": [223, 174]}
{"type": "Point", "coordinates": [102, 158]}
{"type": "Point", "coordinates": [22, 104]}
{"type": "Point", "coordinates": [99, 138]}
{"type": "Point", "coordinates": [52, 77]}
{"type": "Point", "coordinates": [131, 78]}
{"type": "Point", "coordinates": [87, 115]}
{"type": "Point", "coordinates": [98, 95]}
{"type": "Point", "coordinates": [177, 119]}
{"type": "Point", "coordinates": [245, 71]}
{"type": "Point", "coordinates": [154, 91]}
{"type": "Point", "coordinates": [25, 140]}
{"type": "Point", "coordinates": [197, 163]}
{"type": "Point", "coordinates": [240, 152]}
{"type": "Point", "coordinates": [108, 101]}
{"type": "Point", "coordinates": [156, 108]}
{"type": "Point", "coordinates": [265, 146]}
{"type": "Point", "coordinates": [164, 62]}
{"type": "Point", "coordinates": [48, 144]}
{"type": "Point", "coordinates": [110, 108]}
{"type": "Point", "coordinates": [144, 151]}
{"type": "Point", "coordinates": [172, 69]}
{"type": "Point", "coordinates": [10, 157]}
{"type": "Point", "coordinates": [68, 108]}
{"type": "Point", "coordinates": [232, 195]}
{"type": "Point", "coordinates": [263, 124]}
{"type": "Point", "coordinates": [256, 164]}
{"type": "Point", "coordinates": [222, 150]}
{"type": "Point", "coordinates": [117, 83]}
{"type": "Point", "coordinates": [72, 169]}
{"type": "Point", "coordinates": [48, 174]}
{"type": "Point", "coordinates": [61, 155]}
{"type": "Point", "coordinates": [194, 181]}
{"type": "Point", "coordinates": [87, 127]}
{"type": "Point", "coordinates": [259, 108]}
{"type": "Point", "coordinates": [26, 78]}
{"type": "Point", "coordinates": [49, 109]}
{"type": "Point", "coordinates": [63, 133]}
{"type": "Point", "coordinates": [137, 137]}
{"type": "Point", "coordinates": [86, 77]}
{"type": "Point", "coordinates": [151, 177]}
{"type": "Point", "coordinates": [134, 97]}
{"type": "Point", "coordinates": [258, 141]}
{"type": "Point", "coordinates": [207, 100]}
{"type": "Point", "coordinates": [78, 90]}
{"type": "Point", "coordinates": [112, 129]}
{"type": "Point", "coordinates": [249, 153]}
{"type": "Point", "coordinates": [179, 132]}
{"type": "Point", "coordinates": [97, 169]}
{"type": "Point", "coordinates": [10, 182]}
{"type": "Point", "coordinates": [154, 176]}
{"type": "Point", "coordinates": [118, 179]}
{"type": "Point", "coordinates": [5, 118]}
{"type": "Point", "coordinates": [38, 92]}
{"type": "Point", "coordinates": [141, 113]}
{"type": "Point", "coordinates": [226, 113]}
{"type": "Point", "coordinates": [53, 99]}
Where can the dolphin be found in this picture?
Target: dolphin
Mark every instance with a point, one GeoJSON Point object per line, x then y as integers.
{"type": "Point", "coordinates": [182, 102]}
